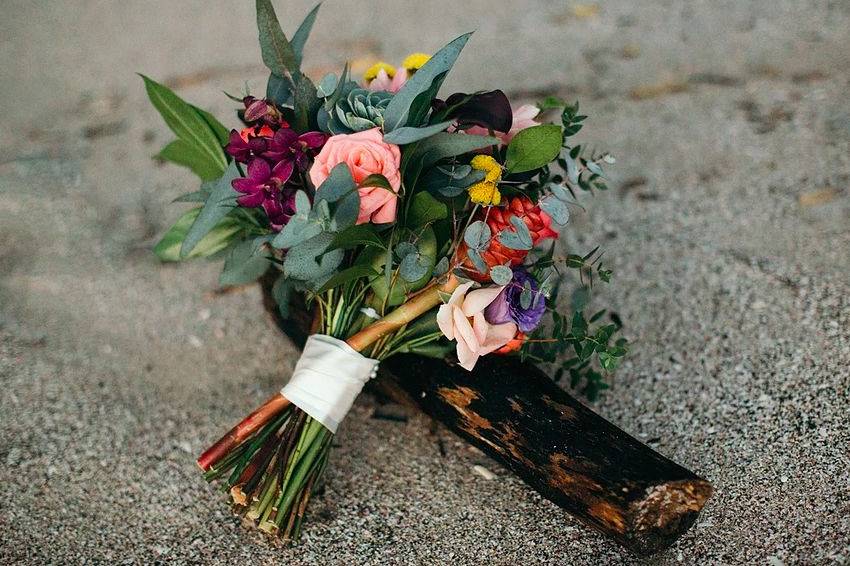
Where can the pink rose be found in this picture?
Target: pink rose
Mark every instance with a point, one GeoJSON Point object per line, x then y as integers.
{"type": "Point", "coordinates": [462, 319]}
{"type": "Point", "coordinates": [365, 153]}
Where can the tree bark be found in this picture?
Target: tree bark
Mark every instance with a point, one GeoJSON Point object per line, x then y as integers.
{"type": "Point", "coordinates": [518, 416]}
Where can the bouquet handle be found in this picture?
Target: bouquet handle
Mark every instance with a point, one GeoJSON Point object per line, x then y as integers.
{"type": "Point", "coordinates": [514, 412]}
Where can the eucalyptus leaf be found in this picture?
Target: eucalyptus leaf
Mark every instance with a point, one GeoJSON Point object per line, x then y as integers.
{"type": "Point", "coordinates": [338, 184]}
{"type": "Point", "coordinates": [312, 262]}
{"type": "Point", "coordinates": [278, 54]}
{"type": "Point", "coordinates": [401, 110]}
{"type": "Point", "coordinates": [414, 266]}
{"type": "Point", "coordinates": [279, 90]}
{"type": "Point", "coordinates": [242, 265]}
{"type": "Point", "coordinates": [533, 147]}
{"type": "Point", "coordinates": [450, 181]}
{"type": "Point", "coordinates": [477, 261]}
{"type": "Point", "coordinates": [501, 275]}
{"type": "Point", "coordinates": [442, 267]}
{"type": "Point", "coordinates": [560, 192]}
{"type": "Point", "coordinates": [477, 235]}
{"type": "Point", "coordinates": [346, 212]}
{"type": "Point", "coordinates": [327, 85]}
{"type": "Point", "coordinates": [555, 208]}
{"type": "Point", "coordinates": [445, 144]}
{"type": "Point", "coordinates": [406, 135]}
{"type": "Point", "coordinates": [221, 200]}
{"type": "Point", "coordinates": [299, 38]}
{"type": "Point", "coordinates": [519, 238]}
{"type": "Point", "coordinates": [376, 180]}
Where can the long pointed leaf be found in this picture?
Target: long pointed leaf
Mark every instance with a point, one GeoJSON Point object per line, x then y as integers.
{"type": "Point", "coordinates": [426, 78]}
{"type": "Point", "coordinates": [303, 32]}
{"type": "Point", "coordinates": [278, 54]}
{"type": "Point", "coordinates": [186, 122]}
{"type": "Point", "coordinates": [222, 199]}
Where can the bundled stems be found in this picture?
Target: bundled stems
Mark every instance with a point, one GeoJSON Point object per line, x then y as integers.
{"type": "Point", "coordinates": [275, 457]}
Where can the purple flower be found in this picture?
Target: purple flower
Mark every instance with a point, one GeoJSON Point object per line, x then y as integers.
{"type": "Point", "coordinates": [287, 145]}
{"type": "Point", "coordinates": [248, 143]}
{"type": "Point", "coordinates": [507, 307]}
{"type": "Point", "coordinates": [264, 186]}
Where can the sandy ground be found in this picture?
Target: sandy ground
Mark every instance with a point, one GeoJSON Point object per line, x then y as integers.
{"type": "Point", "coordinates": [728, 226]}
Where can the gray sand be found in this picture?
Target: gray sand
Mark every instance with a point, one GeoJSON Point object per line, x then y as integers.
{"type": "Point", "coordinates": [728, 227]}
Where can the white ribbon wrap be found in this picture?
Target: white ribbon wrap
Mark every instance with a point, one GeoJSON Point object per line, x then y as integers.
{"type": "Point", "coordinates": [327, 378]}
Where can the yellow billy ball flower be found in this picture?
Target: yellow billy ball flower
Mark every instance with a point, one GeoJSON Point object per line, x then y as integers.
{"type": "Point", "coordinates": [486, 193]}
{"type": "Point", "coordinates": [491, 167]}
{"type": "Point", "coordinates": [414, 61]}
{"type": "Point", "coordinates": [373, 71]}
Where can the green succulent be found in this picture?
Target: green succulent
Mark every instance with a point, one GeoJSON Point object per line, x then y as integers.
{"type": "Point", "coordinates": [359, 110]}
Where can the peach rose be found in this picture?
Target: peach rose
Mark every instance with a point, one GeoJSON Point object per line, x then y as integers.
{"type": "Point", "coordinates": [366, 153]}
{"type": "Point", "coordinates": [462, 319]}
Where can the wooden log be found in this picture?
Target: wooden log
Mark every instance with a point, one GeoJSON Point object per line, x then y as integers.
{"type": "Point", "coordinates": [518, 416]}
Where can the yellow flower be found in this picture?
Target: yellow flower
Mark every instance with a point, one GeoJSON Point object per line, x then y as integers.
{"type": "Point", "coordinates": [414, 61]}
{"type": "Point", "coordinates": [486, 193]}
{"type": "Point", "coordinates": [373, 71]}
{"type": "Point", "coordinates": [491, 167]}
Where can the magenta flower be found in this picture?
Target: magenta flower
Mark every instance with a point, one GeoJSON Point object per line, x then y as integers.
{"type": "Point", "coordinates": [264, 186]}
{"type": "Point", "coordinates": [286, 145]}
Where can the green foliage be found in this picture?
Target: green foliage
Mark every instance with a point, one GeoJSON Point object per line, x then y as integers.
{"type": "Point", "coordinates": [359, 235]}
{"type": "Point", "coordinates": [477, 235]}
{"type": "Point", "coordinates": [410, 105]}
{"type": "Point", "coordinates": [426, 153]}
{"type": "Point", "coordinates": [312, 262]}
{"type": "Point", "coordinates": [217, 239]}
{"type": "Point", "coordinates": [244, 264]}
{"type": "Point", "coordinates": [532, 148]}
{"type": "Point", "coordinates": [501, 275]}
{"type": "Point", "coordinates": [278, 54]}
{"type": "Point", "coordinates": [519, 238]}
{"type": "Point", "coordinates": [450, 180]}
{"type": "Point", "coordinates": [303, 225]}
{"type": "Point", "coordinates": [406, 135]}
{"type": "Point", "coordinates": [590, 343]}
{"type": "Point", "coordinates": [221, 200]}
{"type": "Point", "coordinates": [187, 155]}
{"type": "Point", "coordinates": [424, 210]}
{"type": "Point", "coordinates": [572, 120]}
{"type": "Point", "coordinates": [200, 147]}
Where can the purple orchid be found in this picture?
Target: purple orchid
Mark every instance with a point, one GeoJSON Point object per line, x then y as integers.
{"type": "Point", "coordinates": [248, 143]}
{"type": "Point", "coordinates": [264, 186]}
{"type": "Point", "coordinates": [507, 307]}
{"type": "Point", "coordinates": [287, 145]}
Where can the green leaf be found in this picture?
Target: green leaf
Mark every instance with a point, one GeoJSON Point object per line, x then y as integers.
{"type": "Point", "coordinates": [347, 275]}
{"type": "Point", "coordinates": [406, 135]}
{"type": "Point", "coordinates": [312, 261]}
{"type": "Point", "coordinates": [428, 78]}
{"type": "Point", "coordinates": [519, 238]}
{"type": "Point", "coordinates": [477, 235]}
{"type": "Point", "coordinates": [222, 199]}
{"type": "Point", "coordinates": [346, 212]}
{"type": "Point", "coordinates": [242, 265]}
{"type": "Point", "coordinates": [187, 123]}
{"type": "Point", "coordinates": [222, 133]}
{"type": "Point", "coordinates": [425, 209]}
{"type": "Point", "coordinates": [501, 275]}
{"type": "Point", "coordinates": [306, 103]}
{"type": "Point", "coordinates": [195, 196]}
{"type": "Point", "coordinates": [415, 266]}
{"type": "Point", "coordinates": [442, 145]}
{"type": "Point", "coordinates": [278, 54]}
{"type": "Point", "coordinates": [532, 148]}
{"type": "Point", "coordinates": [376, 180]}
{"type": "Point", "coordinates": [362, 234]}
{"type": "Point", "coordinates": [168, 248]}
{"type": "Point", "coordinates": [450, 181]}
{"type": "Point", "coordinates": [279, 89]}
{"type": "Point", "coordinates": [338, 184]}
{"type": "Point", "coordinates": [555, 208]}
{"type": "Point", "coordinates": [185, 154]}
{"type": "Point", "coordinates": [303, 32]}
{"type": "Point", "coordinates": [282, 293]}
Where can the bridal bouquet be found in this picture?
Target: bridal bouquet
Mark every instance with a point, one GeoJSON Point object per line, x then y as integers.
{"type": "Point", "coordinates": [407, 222]}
